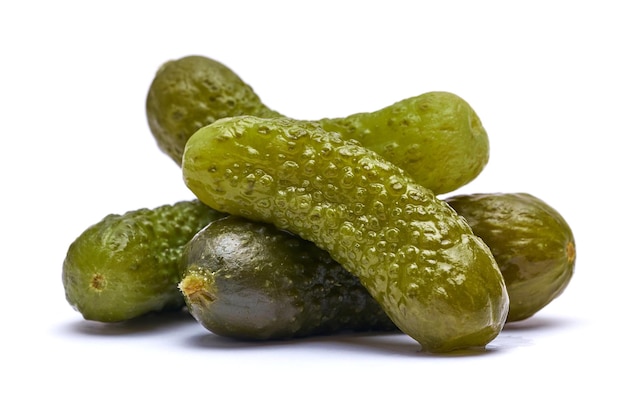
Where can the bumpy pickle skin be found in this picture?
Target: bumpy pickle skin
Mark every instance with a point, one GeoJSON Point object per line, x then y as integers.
{"type": "Point", "coordinates": [420, 261]}
{"type": "Point", "coordinates": [531, 241]}
{"type": "Point", "coordinates": [126, 265]}
{"type": "Point", "coordinates": [192, 92]}
{"type": "Point", "coordinates": [436, 137]}
{"type": "Point", "coordinates": [249, 280]}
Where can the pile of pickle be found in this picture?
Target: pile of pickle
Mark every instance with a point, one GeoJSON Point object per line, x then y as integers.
{"type": "Point", "coordinates": [314, 227]}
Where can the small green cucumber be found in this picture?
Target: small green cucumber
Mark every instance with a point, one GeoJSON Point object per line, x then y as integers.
{"type": "Point", "coordinates": [432, 276]}
{"type": "Point", "coordinates": [192, 92]}
{"type": "Point", "coordinates": [249, 280]}
{"type": "Point", "coordinates": [436, 137]}
{"type": "Point", "coordinates": [126, 265]}
{"type": "Point", "coordinates": [531, 241]}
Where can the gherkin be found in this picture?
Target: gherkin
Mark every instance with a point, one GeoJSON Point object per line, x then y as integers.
{"type": "Point", "coordinates": [531, 241]}
{"type": "Point", "coordinates": [437, 137]}
{"type": "Point", "coordinates": [192, 92]}
{"type": "Point", "coordinates": [250, 280]}
{"type": "Point", "coordinates": [126, 265]}
{"type": "Point", "coordinates": [421, 262]}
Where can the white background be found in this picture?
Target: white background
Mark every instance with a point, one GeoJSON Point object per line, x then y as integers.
{"type": "Point", "coordinates": [546, 78]}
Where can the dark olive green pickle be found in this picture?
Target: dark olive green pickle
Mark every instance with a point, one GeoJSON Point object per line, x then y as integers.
{"type": "Point", "coordinates": [249, 280]}
{"type": "Point", "coordinates": [531, 241]}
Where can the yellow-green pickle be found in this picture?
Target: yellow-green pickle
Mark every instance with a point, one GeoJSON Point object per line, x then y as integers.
{"type": "Point", "coordinates": [126, 265]}
{"type": "Point", "coordinates": [419, 260]}
{"type": "Point", "coordinates": [531, 242]}
{"type": "Point", "coordinates": [436, 137]}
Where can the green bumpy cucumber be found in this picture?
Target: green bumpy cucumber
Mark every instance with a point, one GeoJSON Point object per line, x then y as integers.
{"type": "Point", "coordinates": [126, 265]}
{"type": "Point", "coordinates": [432, 276]}
{"type": "Point", "coordinates": [436, 137]}
{"type": "Point", "coordinates": [531, 241]}
{"type": "Point", "coordinates": [249, 280]}
{"type": "Point", "coordinates": [192, 92]}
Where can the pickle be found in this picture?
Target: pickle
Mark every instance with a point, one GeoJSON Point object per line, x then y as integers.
{"type": "Point", "coordinates": [249, 280]}
{"type": "Point", "coordinates": [531, 241]}
{"type": "Point", "coordinates": [436, 137]}
{"type": "Point", "coordinates": [126, 265]}
{"type": "Point", "coordinates": [192, 92]}
{"type": "Point", "coordinates": [419, 260]}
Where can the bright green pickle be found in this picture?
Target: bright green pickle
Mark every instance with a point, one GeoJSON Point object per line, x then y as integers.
{"type": "Point", "coordinates": [420, 261]}
{"type": "Point", "coordinates": [436, 137]}
{"type": "Point", "coordinates": [531, 241]}
{"type": "Point", "coordinates": [249, 280]}
{"type": "Point", "coordinates": [126, 265]}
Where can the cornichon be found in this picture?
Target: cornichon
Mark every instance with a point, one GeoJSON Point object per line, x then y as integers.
{"type": "Point", "coordinates": [249, 280]}
{"type": "Point", "coordinates": [531, 241]}
{"type": "Point", "coordinates": [127, 264]}
{"type": "Point", "coordinates": [192, 92]}
{"type": "Point", "coordinates": [436, 137]}
{"type": "Point", "coordinates": [420, 261]}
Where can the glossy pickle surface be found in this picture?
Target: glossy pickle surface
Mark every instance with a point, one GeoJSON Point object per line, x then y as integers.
{"type": "Point", "coordinates": [433, 277]}
{"type": "Point", "coordinates": [249, 280]}
{"type": "Point", "coordinates": [531, 241]}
